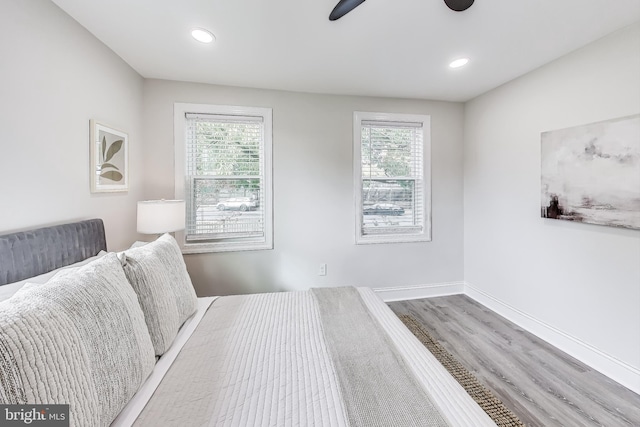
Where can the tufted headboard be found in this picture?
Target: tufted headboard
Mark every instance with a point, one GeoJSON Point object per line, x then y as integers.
{"type": "Point", "coordinates": [31, 253]}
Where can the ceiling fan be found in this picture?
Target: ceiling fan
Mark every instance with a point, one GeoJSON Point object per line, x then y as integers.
{"type": "Point", "coordinates": [345, 6]}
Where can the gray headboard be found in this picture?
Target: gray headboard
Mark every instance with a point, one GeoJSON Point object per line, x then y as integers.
{"type": "Point", "coordinates": [30, 253]}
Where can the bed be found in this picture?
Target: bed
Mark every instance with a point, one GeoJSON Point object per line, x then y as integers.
{"type": "Point", "coordinates": [328, 356]}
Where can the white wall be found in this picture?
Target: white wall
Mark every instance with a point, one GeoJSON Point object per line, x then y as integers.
{"type": "Point", "coordinates": [577, 285]}
{"type": "Point", "coordinates": [54, 77]}
{"type": "Point", "coordinates": [313, 193]}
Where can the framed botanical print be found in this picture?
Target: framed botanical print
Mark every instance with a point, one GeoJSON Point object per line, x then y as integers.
{"type": "Point", "coordinates": [109, 159]}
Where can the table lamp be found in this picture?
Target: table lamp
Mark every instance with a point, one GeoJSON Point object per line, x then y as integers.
{"type": "Point", "coordinates": [161, 216]}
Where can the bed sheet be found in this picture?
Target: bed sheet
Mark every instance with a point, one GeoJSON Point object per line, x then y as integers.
{"type": "Point", "coordinates": [130, 413]}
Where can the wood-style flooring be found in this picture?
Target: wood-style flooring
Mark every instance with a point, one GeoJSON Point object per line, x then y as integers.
{"type": "Point", "coordinates": [542, 385]}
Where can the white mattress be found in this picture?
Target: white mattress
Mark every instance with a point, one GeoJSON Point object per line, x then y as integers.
{"type": "Point", "coordinates": [268, 365]}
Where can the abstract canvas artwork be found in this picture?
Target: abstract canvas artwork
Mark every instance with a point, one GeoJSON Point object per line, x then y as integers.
{"type": "Point", "coordinates": [591, 173]}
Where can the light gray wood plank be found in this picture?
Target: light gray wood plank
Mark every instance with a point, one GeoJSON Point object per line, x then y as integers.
{"type": "Point", "coordinates": [542, 385]}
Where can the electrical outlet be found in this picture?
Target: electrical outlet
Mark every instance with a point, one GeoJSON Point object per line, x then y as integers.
{"type": "Point", "coordinates": [323, 270]}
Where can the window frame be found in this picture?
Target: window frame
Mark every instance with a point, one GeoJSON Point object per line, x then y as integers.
{"type": "Point", "coordinates": [425, 234]}
{"type": "Point", "coordinates": [180, 168]}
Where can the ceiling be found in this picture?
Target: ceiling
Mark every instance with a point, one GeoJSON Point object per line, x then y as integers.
{"type": "Point", "coordinates": [390, 48]}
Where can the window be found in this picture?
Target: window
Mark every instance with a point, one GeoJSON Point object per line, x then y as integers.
{"type": "Point", "coordinates": [391, 172]}
{"type": "Point", "coordinates": [223, 172]}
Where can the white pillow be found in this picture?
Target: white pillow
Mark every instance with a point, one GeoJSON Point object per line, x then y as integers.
{"type": "Point", "coordinates": [137, 244]}
{"type": "Point", "coordinates": [7, 291]}
{"type": "Point", "coordinates": [159, 276]}
{"type": "Point", "coordinates": [80, 340]}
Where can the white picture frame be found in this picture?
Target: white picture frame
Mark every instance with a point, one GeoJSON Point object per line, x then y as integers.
{"type": "Point", "coordinates": [109, 159]}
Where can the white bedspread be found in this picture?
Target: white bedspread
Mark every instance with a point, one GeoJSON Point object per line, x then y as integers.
{"type": "Point", "coordinates": [261, 360]}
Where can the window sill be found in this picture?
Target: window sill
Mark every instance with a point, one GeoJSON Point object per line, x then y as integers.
{"type": "Point", "coordinates": [203, 248]}
{"type": "Point", "coordinates": [377, 239]}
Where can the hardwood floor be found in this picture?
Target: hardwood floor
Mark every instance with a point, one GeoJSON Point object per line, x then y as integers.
{"type": "Point", "coordinates": [540, 384]}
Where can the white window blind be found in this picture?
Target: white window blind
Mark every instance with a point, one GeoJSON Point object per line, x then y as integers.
{"type": "Point", "coordinates": [392, 204]}
{"type": "Point", "coordinates": [225, 178]}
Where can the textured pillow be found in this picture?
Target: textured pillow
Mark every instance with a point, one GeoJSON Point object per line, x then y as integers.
{"type": "Point", "coordinates": [159, 276]}
{"type": "Point", "coordinates": [8, 290]}
{"type": "Point", "coordinates": [137, 244]}
{"type": "Point", "coordinates": [80, 339]}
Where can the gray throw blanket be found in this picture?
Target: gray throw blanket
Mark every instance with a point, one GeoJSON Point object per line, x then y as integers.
{"type": "Point", "coordinates": [376, 384]}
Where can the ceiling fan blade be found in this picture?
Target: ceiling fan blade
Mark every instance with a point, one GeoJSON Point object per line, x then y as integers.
{"type": "Point", "coordinates": [343, 7]}
{"type": "Point", "coordinates": [459, 5]}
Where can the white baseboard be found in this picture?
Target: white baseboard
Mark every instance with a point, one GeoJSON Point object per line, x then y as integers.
{"type": "Point", "coordinates": [617, 370]}
{"type": "Point", "coordinates": [403, 293]}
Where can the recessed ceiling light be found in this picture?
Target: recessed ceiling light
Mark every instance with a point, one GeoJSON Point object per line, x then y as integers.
{"type": "Point", "coordinates": [459, 63]}
{"type": "Point", "coordinates": [203, 36]}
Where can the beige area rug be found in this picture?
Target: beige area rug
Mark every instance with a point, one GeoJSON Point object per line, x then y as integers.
{"type": "Point", "coordinates": [499, 413]}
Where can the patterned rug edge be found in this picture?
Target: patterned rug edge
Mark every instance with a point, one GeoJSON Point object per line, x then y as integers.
{"type": "Point", "coordinates": [493, 406]}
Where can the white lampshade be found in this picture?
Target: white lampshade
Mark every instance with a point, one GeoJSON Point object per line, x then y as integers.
{"type": "Point", "coordinates": [160, 216]}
